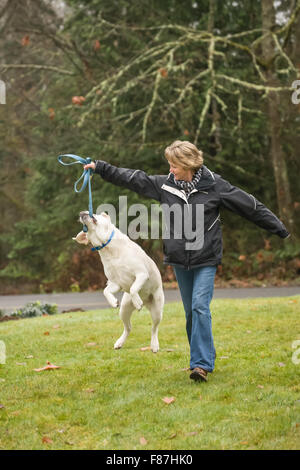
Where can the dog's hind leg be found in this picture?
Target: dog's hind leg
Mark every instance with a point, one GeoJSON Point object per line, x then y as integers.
{"type": "Point", "coordinates": [126, 310]}
{"type": "Point", "coordinates": [140, 280]}
{"type": "Point", "coordinates": [156, 305]}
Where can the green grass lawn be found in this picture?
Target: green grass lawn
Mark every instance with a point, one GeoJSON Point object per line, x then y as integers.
{"type": "Point", "coordinates": [106, 399]}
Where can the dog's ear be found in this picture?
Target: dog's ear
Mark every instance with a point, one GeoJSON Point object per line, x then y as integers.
{"type": "Point", "coordinates": [81, 237]}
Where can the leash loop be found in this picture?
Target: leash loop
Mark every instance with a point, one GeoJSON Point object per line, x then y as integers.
{"type": "Point", "coordinates": [86, 177]}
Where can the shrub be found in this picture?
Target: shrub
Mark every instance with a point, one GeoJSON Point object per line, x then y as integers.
{"type": "Point", "coordinates": [35, 309]}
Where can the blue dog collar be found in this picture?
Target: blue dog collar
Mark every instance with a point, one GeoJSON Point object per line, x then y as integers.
{"type": "Point", "coordinates": [104, 244]}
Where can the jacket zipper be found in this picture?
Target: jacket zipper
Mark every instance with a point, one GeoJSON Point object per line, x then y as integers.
{"type": "Point", "coordinates": [218, 218]}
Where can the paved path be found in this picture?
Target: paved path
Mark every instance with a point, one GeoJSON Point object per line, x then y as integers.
{"type": "Point", "coordinates": [96, 300]}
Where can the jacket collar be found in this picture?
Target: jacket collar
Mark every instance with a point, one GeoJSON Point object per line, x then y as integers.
{"type": "Point", "coordinates": [206, 181]}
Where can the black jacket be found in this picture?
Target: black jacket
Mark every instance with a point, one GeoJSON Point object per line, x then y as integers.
{"type": "Point", "coordinates": [212, 192]}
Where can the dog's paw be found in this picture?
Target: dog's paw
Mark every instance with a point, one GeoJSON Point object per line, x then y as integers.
{"type": "Point", "coordinates": [154, 347]}
{"type": "Point", "coordinates": [114, 302]}
{"type": "Point", "coordinates": [137, 301]}
{"type": "Point", "coordinates": [118, 344]}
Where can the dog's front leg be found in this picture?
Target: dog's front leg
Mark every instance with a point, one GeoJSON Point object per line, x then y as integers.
{"type": "Point", "coordinates": [110, 289]}
{"type": "Point", "coordinates": [140, 280]}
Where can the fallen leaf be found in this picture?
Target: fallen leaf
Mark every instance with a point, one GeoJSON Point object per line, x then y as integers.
{"type": "Point", "coordinates": [73, 310]}
{"type": "Point", "coordinates": [16, 413]}
{"type": "Point", "coordinates": [260, 386]}
{"type": "Point", "coordinates": [29, 357]}
{"type": "Point", "coordinates": [242, 258]}
{"type": "Point", "coordinates": [224, 357]}
{"type": "Point", "coordinates": [55, 327]}
{"type": "Point", "coordinates": [49, 366]}
{"type": "Point", "coordinates": [244, 443]}
{"type": "Point", "coordinates": [169, 350]}
{"type": "Point", "coordinates": [21, 363]}
{"type": "Point", "coordinates": [46, 333]}
{"type": "Point", "coordinates": [146, 348]}
{"type": "Point", "coordinates": [143, 441]}
{"type": "Point", "coordinates": [168, 400]}
{"type": "Point", "coordinates": [1, 406]}
{"type": "Point", "coordinates": [89, 390]}
{"type": "Point", "coordinates": [297, 425]}
{"type": "Point", "coordinates": [186, 368]}
{"type": "Point", "coordinates": [193, 433]}
{"type": "Point", "coordinates": [47, 440]}
{"type": "Point", "coordinates": [172, 436]}
{"type": "Point", "coordinates": [91, 344]}
{"type": "Point", "coordinates": [186, 132]}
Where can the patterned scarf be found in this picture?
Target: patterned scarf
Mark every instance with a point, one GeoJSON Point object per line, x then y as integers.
{"type": "Point", "coordinates": [187, 186]}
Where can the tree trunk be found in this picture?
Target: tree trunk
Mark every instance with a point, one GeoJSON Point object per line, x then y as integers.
{"type": "Point", "coordinates": [216, 135]}
{"type": "Point", "coordinates": [274, 121]}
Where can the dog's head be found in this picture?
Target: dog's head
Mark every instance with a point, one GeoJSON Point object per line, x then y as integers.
{"type": "Point", "coordinates": [99, 228]}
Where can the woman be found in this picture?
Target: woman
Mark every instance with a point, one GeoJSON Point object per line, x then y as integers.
{"type": "Point", "coordinates": [191, 185]}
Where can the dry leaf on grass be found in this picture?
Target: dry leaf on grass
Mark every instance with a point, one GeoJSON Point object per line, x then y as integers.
{"type": "Point", "coordinates": [91, 344]}
{"type": "Point", "coordinates": [47, 440]}
{"type": "Point", "coordinates": [143, 441]}
{"type": "Point", "coordinates": [1, 406]}
{"type": "Point", "coordinates": [46, 333]}
{"type": "Point", "coordinates": [168, 400]}
{"type": "Point", "coordinates": [260, 386]}
{"type": "Point", "coordinates": [49, 366]}
{"type": "Point", "coordinates": [146, 348]}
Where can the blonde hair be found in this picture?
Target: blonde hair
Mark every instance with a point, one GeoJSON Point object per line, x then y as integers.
{"type": "Point", "coordinates": [184, 154]}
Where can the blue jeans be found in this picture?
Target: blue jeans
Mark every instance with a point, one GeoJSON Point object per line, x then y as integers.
{"type": "Point", "coordinates": [196, 289]}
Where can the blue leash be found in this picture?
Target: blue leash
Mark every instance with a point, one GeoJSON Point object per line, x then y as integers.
{"type": "Point", "coordinates": [86, 176]}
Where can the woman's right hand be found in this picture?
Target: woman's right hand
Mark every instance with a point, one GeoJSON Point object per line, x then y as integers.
{"type": "Point", "coordinates": [90, 165]}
